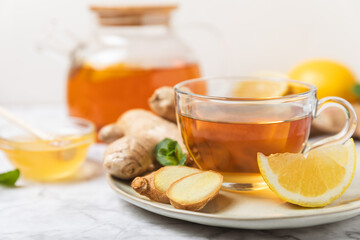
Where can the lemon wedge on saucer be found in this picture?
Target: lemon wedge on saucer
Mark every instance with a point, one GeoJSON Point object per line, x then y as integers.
{"type": "Point", "coordinates": [260, 89]}
{"type": "Point", "coordinates": [314, 180]}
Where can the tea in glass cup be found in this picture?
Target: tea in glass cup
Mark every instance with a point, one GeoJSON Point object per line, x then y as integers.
{"type": "Point", "coordinates": [224, 131]}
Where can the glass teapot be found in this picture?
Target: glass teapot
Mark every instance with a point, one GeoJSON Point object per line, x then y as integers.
{"type": "Point", "coordinates": [134, 52]}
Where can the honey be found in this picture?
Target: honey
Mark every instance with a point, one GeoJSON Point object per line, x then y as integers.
{"type": "Point", "coordinates": [47, 160]}
{"type": "Point", "coordinates": [101, 95]}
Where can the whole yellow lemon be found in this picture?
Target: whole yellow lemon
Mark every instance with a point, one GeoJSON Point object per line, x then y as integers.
{"type": "Point", "coordinates": [330, 77]}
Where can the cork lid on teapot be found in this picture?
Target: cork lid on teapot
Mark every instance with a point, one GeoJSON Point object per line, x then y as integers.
{"type": "Point", "coordinates": [127, 15]}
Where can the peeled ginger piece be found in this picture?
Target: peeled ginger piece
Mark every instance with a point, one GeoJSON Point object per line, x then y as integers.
{"type": "Point", "coordinates": [165, 176]}
{"type": "Point", "coordinates": [193, 192]}
{"type": "Point", "coordinates": [155, 184]}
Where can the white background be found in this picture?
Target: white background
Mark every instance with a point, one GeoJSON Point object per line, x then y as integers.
{"type": "Point", "coordinates": [256, 35]}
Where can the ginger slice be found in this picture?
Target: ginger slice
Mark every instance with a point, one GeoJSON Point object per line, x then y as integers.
{"type": "Point", "coordinates": [155, 184]}
{"type": "Point", "coordinates": [193, 192]}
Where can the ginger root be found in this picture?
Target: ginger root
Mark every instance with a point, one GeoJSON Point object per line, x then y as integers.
{"type": "Point", "coordinates": [133, 154]}
{"type": "Point", "coordinates": [162, 102]}
{"type": "Point", "coordinates": [194, 191]}
{"type": "Point", "coordinates": [127, 158]}
{"type": "Point", "coordinates": [148, 127]}
{"type": "Point", "coordinates": [110, 133]}
{"type": "Point", "coordinates": [155, 184]}
{"type": "Point", "coordinates": [140, 123]}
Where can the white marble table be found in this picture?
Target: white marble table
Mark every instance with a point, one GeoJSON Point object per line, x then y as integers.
{"type": "Point", "coordinates": [86, 208]}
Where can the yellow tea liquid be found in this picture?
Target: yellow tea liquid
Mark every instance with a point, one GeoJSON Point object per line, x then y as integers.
{"type": "Point", "coordinates": [230, 140]}
{"type": "Point", "coordinates": [101, 95]}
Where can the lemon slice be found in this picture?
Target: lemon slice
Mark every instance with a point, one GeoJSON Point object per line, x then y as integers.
{"type": "Point", "coordinates": [260, 89]}
{"type": "Point", "coordinates": [312, 181]}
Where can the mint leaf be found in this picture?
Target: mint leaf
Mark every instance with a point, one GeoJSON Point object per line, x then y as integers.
{"type": "Point", "coordinates": [9, 178]}
{"type": "Point", "coordinates": [356, 90]}
{"type": "Point", "coordinates": [168, 153]}
{"type": "Point", "coordinates": [183, 159]}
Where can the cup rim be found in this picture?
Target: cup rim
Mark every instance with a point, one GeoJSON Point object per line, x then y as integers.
{"type": "Point", "coordinates": [302, 95]}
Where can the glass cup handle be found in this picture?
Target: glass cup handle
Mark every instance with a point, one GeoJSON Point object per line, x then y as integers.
{"type": "Point", "coordinates": [347, 130]}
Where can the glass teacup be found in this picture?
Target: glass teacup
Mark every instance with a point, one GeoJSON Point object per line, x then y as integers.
{"type": "Point", "coordinates": [224, 132]}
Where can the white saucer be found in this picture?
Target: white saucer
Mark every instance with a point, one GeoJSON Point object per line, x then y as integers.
{"type": "Point", "coordinates": [252, 210]}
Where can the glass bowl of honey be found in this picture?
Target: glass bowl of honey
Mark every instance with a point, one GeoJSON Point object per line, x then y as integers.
{"type": "Point", "coordinates": [47, 160]}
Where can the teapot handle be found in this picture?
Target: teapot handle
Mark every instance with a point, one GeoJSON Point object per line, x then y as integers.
{"type": "Point", "coordinates": [58, 42]}
{"type": "Point", "coordinates": [210, 48]}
